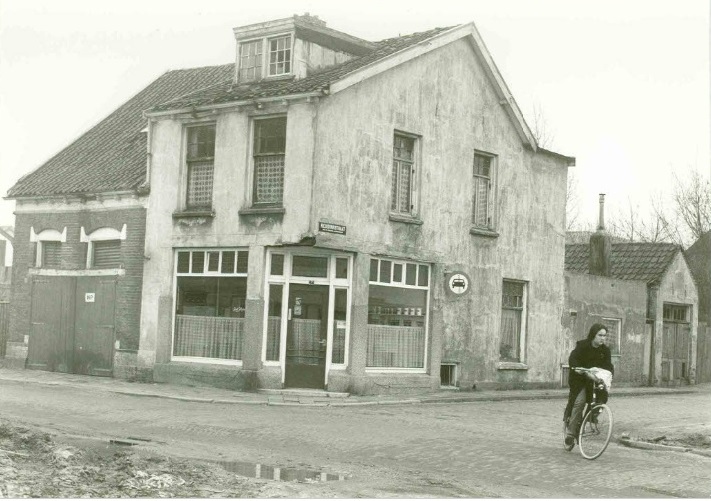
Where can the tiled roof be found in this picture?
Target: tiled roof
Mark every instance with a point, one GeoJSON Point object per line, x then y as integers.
{"type": "Point", "coordinates": [228, 91]}
{"type": "Point", "coordinates": [629, 261]}
{"type": "Point", "coordinates": [111, 156]}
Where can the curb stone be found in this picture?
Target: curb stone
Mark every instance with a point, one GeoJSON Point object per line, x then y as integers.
{"type": "Point", "coordinates": [637, 444]}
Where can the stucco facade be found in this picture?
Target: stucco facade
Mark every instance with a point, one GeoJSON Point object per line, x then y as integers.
{"type": "Point", "coordinates": [338, 170]}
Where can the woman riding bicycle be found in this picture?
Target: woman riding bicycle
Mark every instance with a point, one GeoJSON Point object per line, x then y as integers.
{"type": "Point", "coordinates": [588, 353]}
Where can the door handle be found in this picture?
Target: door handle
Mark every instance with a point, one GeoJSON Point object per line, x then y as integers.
{"type": "Point", "coordinates": [322, 342]}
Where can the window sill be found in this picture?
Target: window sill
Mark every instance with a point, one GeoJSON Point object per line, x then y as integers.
{"type": "Point", "coordinates": [512, 366]}
{"type": "Point", "coordinates": [261, 211]}
{"type": "Point", "coordinates": [179, 214]}
{"type": "Point", "coordinates": [483, 232]}
{"type": "Point", "coordinates": [400, 218]}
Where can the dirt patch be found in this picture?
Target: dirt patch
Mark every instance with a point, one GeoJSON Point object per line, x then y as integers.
{"type": "Point", "coordinates": [693, 440]}
{"type": "Point", "coordinates": [37, 464]}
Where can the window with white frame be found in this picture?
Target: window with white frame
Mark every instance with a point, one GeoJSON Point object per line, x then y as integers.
{"type": "Point", "coordinates": [613, 326]}
{"type": "Point", "coordinates": [403, 189]}
{"type": "Point", "coordinates": [513, 321]}
{"type": "Point", "coordinates": [265, 57]}
{"type": "Point", "coordinates": [483, 193]}
{"type": "Point", "coordinates": [104, 249]}
{"type": "Point", "coordinates": [397, 314]}
{"type": "Point", "coordinates": [200, 158]}
{"type": "Point", "coordinates": [269, 152]}
{"type": "Point", "coordinates": [48, 252]}
{"type": "Point", "coordinates": [210, 302]}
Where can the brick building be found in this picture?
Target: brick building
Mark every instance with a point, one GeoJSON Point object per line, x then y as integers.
{"type": "Point", "coordinates": [79, 244]}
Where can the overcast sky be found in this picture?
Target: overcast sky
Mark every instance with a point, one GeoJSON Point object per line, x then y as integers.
{"type": "Point", "coordinates": [623, 85]}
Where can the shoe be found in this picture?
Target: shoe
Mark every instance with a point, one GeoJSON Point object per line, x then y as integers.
{"type": "Point", "coordinates": [569, 441]}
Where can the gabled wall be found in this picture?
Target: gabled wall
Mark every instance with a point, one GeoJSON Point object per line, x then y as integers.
{"type": "Point", "coordinates": [677, 286]}
{"type": "Point", "coordinates": [445, 97]}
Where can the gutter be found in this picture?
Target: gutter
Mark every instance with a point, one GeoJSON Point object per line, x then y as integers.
{"type": "Point", "coordinates": [234, 104]}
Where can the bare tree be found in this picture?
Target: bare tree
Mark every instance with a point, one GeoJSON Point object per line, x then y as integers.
{"type": "Point", "coordinates": [541, 130]}
{"type": "Point", "coordinates": [692, 203]}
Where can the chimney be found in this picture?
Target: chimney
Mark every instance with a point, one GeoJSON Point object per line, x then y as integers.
{"type": "Point", "coordinates": [600, 246]}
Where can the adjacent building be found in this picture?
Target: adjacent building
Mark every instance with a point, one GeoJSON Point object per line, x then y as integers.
{"type": "Point", "coordinates": [647, 297]}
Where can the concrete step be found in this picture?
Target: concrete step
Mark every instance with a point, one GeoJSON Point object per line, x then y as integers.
{"type": "Point", "coordinates": [304, 392]}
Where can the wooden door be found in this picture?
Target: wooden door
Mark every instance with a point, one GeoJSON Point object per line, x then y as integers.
{"type": "Point", "coordinates": [51, 323]}
{"type": "Point", "coordinates": [93, 347]}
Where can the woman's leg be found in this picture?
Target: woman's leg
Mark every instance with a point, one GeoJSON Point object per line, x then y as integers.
{"type": "Point", "coordinates": [576, 415]}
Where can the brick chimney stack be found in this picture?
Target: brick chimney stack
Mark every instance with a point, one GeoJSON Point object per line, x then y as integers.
{"type": "Point", "coordinates": [600, 246]}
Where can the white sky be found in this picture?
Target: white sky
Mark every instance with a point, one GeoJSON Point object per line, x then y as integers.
{"type": "Point", "coordinates": [623, 85]}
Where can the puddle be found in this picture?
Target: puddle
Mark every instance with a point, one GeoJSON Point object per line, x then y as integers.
{"type": "Point", "coordinates": [256, 470]}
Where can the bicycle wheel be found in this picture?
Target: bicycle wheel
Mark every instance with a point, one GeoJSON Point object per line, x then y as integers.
{"type": "Point", "coordinates": [595, 431]}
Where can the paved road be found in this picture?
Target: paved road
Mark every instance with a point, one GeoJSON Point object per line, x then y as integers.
{"type": "Point", "coordinates": [509, 449]}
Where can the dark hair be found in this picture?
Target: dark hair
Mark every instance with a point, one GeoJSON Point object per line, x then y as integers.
{"type": "Point", "coordinates": [594, 330]}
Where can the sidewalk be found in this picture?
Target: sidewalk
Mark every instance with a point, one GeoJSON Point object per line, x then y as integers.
{"type": "Point", "coordinates": [314, 398]}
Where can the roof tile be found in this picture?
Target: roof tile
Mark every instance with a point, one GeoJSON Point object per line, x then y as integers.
{"type": "Point", "coordinates": [643, 261]}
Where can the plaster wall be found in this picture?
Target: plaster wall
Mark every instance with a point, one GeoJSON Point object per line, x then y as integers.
{"type": "Point", "coordinates": [677, 287]}
{"type": "Point", "coordinates": [589, 299]}
{"type": "Point", "coordinates": [230, 226]}
{"type": "Point", "coordinates": [445, 98]}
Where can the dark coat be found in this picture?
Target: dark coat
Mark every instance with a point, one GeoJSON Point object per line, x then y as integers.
{"type": "Point", "coordinates": [584, 355]}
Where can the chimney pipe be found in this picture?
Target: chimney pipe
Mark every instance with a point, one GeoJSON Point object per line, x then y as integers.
{"type": "Point", "coordinates": [601, 218]}
{"type": "Point", "coordinates": [600, 256]}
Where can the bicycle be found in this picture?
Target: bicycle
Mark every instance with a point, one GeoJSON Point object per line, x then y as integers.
{"type": "Point", "coordinates": [595, 428]}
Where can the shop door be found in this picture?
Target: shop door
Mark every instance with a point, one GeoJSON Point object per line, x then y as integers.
{"type": "Point", "coordinates": [94, 326]}
{"type": "Point", "coordinates": [306, 336]}
{"type": "Point", "coordinates": [676, 352]}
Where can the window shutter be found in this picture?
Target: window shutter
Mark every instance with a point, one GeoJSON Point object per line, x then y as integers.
{"type": "Point", "coordinates": [51, 254]}
{"type": "Point", "coordinates": [107, 254]}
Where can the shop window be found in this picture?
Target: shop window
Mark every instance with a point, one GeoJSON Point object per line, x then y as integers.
{"type": "Point", "coordinates": [397, 316]}
{"type": "Point", "coordinates": [513, 322]}
{"type": "Point", "coordinates": [269, 152]}
{"type": "Point", "coordinates": [613, 334]}
{"type": "Point", "coordinates": [211, 291]}
{"type": "Point", "coordinates": [200, 165]}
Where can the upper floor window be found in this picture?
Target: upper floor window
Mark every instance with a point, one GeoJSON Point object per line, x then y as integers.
{"type": "Point", "coordinates": [280, 55]}
{"type": "Point", "coordinates": [483, 203]}
{"type": "Point", "coordinates": [403, 178]}
{"type": "Point", "coordinates": [250, 60]}
{"type": "Point", "coordinates": [265, 57]}
{"type": "Point", "coordinates": [49, 247]}
{"type": "Point", "coordinates": [104, 247]}
{"type": "Point", "coordinates": [200, 157]}
{"type": "Point", "coordinates": [269, 152]}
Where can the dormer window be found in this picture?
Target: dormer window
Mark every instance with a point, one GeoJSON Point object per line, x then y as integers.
{"type": "Point", "coordinates": [280, 55]}
{"type": "Point", "coordinates": [252, 63]}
